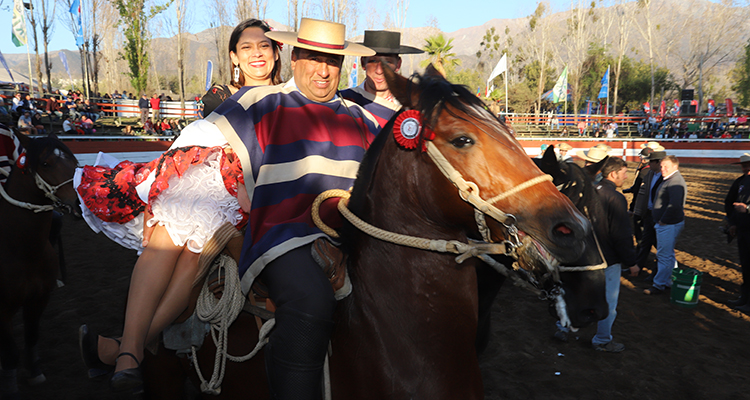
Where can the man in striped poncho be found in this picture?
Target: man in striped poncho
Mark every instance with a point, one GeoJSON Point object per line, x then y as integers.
{"type": "Point", "coordinates": [295, 141]}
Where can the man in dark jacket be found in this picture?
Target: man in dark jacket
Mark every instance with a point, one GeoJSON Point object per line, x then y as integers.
{"type": "Point", "coordinates": [644, 204]}
{"type": "Point", "coordinates": [669, 220]}
{"type": "Point", "coordinates": [143, 105]}
{"type": "Point", "coordinates": [736, 208]}
{"type": "Point", "coordinates": [612, 227]}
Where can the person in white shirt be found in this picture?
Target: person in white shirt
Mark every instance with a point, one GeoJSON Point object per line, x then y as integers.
{"type": "Point", "coordinates": [68, 126]}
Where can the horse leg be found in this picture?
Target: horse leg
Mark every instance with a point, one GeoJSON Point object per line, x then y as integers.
{"type": "Point", "coordinates": [55, 237]}
{"type": "Point", "coordinates": [9, 356]}
{"type": "Point", "coordinates": [489, 282]}
{"type": "Point", "coordinates": [32, 314]}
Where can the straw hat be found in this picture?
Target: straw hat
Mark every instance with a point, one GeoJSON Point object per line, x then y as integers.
{"type": "Point", "coordinates": [594, 154]}
{"type": "Point", "coordinates": [603, 147]}
{"type": "Point", "coordinates": [744, 158]}
{"type": "Point", "coordinates": [324, 36]}
{"type": "Point", "coordinates": [386, 42]}
{"type": "Point", "coordinates": [564, 146]}
{"type": "Point", "coordinates": [651, 145]}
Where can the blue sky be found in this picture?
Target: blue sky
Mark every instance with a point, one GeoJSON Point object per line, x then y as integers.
{"type": "Point", "coordinates": [450, 17]}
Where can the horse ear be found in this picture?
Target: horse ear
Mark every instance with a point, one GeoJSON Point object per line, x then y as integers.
{"type": "Point", "coordinates": [549, 164]}
{"type": "Point", "coordinates": [402, 89]}
{"type": "Point", "coordinates": [432, 71]}
{"type": "Point", "coordinates": [23, 139]}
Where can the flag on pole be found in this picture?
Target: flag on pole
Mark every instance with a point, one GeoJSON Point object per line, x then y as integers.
{"type": "Point", "coordinates": [19, 24]}
{"type": "Point", "coordinates": [75, 9]}
{"type": "Point", "coordinates": [560, 91]}
{"type": "Point", "coordinates": [2, 60]}
{"type": "Point", "coordinates": [501, 67]}
{"type": "Point", "coordinates": [604, 91]}
{"type": "Point", "coordinates": [662, 108]}
{"type": "Point", "coordinates": [209, 74]}
{"type": "Point", "coordinates": [353, 76]}
{"type": "Point", "coordinates": [64, 60]}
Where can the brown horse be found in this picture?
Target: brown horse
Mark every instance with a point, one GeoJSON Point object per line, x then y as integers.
{"type": "Point", "coordinates": [39, 181]}
{"type": "Point", "coordinates": [408, 328]}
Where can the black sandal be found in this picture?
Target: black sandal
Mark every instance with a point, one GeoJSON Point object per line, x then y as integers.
{"type": "Point", "coordinates": [130, 379]}
{"type": "Point", "coordinates": [88, 343]}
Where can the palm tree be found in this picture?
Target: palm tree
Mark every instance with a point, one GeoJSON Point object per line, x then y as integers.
{"type": "Point", "coordinates": [439, 54]}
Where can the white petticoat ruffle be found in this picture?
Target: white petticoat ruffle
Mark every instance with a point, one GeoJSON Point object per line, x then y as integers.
{"type": "Point", "coordinates": [193, 207]}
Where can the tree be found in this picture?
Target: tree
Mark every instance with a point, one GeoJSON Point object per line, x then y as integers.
{"type": "Point", "coordinates": [219, 17]}
{"type": "Point", "coordinates": [648, 35]}
{"type": "Point", "coordinates": [37, 64]}
{"type": "Point", "coordinates": [135, 21]}
{"type": "Point", "coordinates": [489, 47]}
{"type": "Point", "coordinates": [46, 18]}
{"type": "Point", "coordinates": [182, 22]}
{"type": "Point", "coordinates": [538, 38]}
{"type": "Point", "coordinates": [576, 41]}
{"type": "Point", "coordinates": [438, 52]}
{"type": "Point", "coordinates": [624, 16]}
{"type": "Point", "coordinates": [741, 77]}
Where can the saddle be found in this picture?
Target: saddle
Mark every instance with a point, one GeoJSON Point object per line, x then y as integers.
{"type": "Point", "coordinates": [227, 241]}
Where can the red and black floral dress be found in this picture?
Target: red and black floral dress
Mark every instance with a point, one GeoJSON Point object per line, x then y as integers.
{"type": "Point", "coordinates": [191, 191]}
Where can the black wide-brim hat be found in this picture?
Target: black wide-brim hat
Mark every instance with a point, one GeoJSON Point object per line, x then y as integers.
{"type": "Point", "coordinates": [387, 42]}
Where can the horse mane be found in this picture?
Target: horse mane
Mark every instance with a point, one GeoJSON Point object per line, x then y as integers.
{"type": "Point", "coordinates": [39, 146]}
{"type": "Point", "coordinates": [435, 93]}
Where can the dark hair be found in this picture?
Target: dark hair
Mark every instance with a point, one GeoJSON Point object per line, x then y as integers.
{"type": "Point", "coordinates": [613, 164]}
{"type": "Point", "coordinates": [235, 37]}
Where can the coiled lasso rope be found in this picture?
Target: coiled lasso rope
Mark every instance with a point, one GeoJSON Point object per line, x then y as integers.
{"type": "Point", "coordinates": [221, 313]}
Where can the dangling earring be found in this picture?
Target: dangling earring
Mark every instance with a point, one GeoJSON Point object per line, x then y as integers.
{"type": "Point", "coordinates": [237, 73]}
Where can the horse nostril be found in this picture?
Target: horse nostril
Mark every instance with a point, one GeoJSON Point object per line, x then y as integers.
{"type": "Point", "coordinates": [563, 229]}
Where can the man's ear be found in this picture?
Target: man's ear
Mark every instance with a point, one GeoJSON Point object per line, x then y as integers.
{"type": "Point", "coordinates": [398, 64]}
{"type": "Point", "coordinates": [293, 59]}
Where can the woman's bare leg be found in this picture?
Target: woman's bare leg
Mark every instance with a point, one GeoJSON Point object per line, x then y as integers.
{"type": "Point", "coordinates": [172, 304]}
{"type": "Point", "coordinates": [177, 295]}
{"type": "Point", "coordinates": [151, 276]}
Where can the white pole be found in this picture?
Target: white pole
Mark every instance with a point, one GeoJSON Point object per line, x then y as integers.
{"type": "Point", "coordinates": [506, 91]}
{"type": "Point", "coordinates": [608, 81]}
{"type": "Point", "coordinates": [28, 57]}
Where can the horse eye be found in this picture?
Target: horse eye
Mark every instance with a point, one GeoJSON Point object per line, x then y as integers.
{"type": "Point", "coordinates": [461, 142]}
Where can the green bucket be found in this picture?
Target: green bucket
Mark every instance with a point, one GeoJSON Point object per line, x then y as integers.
{"type": "Point", "coordinates": [686, 286]}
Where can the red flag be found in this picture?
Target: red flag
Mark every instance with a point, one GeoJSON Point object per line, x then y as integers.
{"type": "Point", "coordinates": [662, 108]}
{"type": "Point", "coordinates": [647, 108]}
{"type": "Point", "coordinates": [730, 107]}
{"type": "Point", "coordinates": [676, 108]}
{"type": "Point", "coordinates": [711, 107]}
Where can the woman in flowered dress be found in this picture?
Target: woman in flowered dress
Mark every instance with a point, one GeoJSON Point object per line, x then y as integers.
{"type": "Point", "coordinates": [166, 210]}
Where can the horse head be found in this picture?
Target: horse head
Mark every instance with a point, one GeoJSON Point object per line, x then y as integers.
{"type": "Point", "coordinates": [493, 168]}
{"type": "Point", "coordinates": [50, 166]}
{"type": "Point", "coordinates": [583, 279]}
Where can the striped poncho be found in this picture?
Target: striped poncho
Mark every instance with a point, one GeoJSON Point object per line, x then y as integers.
{"type": "Point", "coordinates": [291, 149]}
{"type": "Point", "coordinates": [379, 107]}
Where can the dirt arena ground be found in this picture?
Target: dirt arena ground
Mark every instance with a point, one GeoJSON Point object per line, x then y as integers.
{"type": "Point", "coordinates": [671, 352]}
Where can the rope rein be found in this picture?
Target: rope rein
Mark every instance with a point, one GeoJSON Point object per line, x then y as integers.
{"type": "Point", "coordinates": [48, 190]}
{"type": "Point", "coordinates": [464, 250]}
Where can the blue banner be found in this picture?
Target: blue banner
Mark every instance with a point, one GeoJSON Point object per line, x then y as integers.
{"type": "Point", "coordinates": [209, 73]}
{"type": "Point", "coordinates": [64, 60]}
{"type": "Point", "coordinates": [75, 10]}
{"type": "Point", "coordinates": [2, 59]}
{"type": "Point", "coordinates": [604, 92]}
